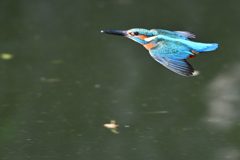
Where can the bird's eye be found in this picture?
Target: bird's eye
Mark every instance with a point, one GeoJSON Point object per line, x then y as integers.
{"type": "Point", "coordinates": [136, 33]}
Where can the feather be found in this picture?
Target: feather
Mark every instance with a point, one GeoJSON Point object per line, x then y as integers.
{"type": "Point", "coordinates": [179, 66]}
{"type": "Point", "coordinates": [186, 34]}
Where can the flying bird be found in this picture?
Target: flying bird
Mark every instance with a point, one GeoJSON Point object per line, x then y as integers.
{"type": "Point", "coordinates": [169, 48]}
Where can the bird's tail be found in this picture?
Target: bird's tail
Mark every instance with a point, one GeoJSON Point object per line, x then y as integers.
{"type": "Point", "coordinates": [210, 46]}
{"type": "Point", "coordinates": [202, 47]}
{"type": "Point", "coordinates": [195, 46]}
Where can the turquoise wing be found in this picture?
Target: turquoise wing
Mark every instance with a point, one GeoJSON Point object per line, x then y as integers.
{"type": "Point", "coordinates": [173, 49]}
{"type": "Point", "coordinates": [179, 66]}
{"type": "Point", "coordinates": [173, 56]}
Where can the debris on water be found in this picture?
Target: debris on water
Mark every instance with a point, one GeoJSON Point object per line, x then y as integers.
{"type": "Point", "coordinates": [97, 86]}
{"type": "Point", "coordinates": [155, 112]}
{"type": "Point", "coordinates": [49, 80]}
{"type": "Point", "coordinates": [6, 56]}
{"type": "Point", "coordinates": [4, 105]}
{"type": "Point", "coordinates": [112, 126]}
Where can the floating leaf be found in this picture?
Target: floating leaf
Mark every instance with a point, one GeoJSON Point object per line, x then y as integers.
{"type": "Point", "coordinates": [6, 56]}
{"type": "Point", "coordinates": [112, 126]}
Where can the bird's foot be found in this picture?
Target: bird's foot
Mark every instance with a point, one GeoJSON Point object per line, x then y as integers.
{"type": "Point", "coordinates": [195, 53]}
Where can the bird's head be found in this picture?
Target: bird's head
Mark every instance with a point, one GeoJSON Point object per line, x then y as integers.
{"type": "Point", "coordinates": [137, 34]}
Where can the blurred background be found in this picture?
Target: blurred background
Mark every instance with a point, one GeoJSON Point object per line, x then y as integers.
{"type": "Point", "coordinates": [62, 80]}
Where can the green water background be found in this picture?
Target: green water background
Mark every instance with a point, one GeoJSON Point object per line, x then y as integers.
{"type": "Point", "coordinates": [66, 80]}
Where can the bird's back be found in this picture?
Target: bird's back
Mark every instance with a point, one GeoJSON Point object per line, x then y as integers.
{"type": "Point", "coordinates": [170, 34]}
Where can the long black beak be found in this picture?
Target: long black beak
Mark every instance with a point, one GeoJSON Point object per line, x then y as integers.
{"type": "Point", "coordinates": [116, 32]}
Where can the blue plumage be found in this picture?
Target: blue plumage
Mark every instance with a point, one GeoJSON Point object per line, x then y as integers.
{"type": "Point", "coordinates": [169, 48]}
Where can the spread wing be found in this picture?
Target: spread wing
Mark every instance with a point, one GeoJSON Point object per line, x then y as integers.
{"type": "Point", "coordinates": [175, 34]}
{"type": "Point", "coordinates": [169, 55]}
{"type": "Point", "coordinates": [179, 66]}
{"type": "Point", "coordinates": [186, 34]}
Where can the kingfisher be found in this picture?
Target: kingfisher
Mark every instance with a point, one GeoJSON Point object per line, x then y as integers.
{"type": "Point", "coordinates": [169, 48]}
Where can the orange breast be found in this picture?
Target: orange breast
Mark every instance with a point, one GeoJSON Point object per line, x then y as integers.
{"type": "Point", "coordinates": [149, 46]}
